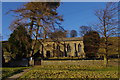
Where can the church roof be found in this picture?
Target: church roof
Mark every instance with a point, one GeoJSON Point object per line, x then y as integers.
{"type": "Point", "coordinates": [65, 39]}
{"type": "Point", "coordinates": [57, 39]}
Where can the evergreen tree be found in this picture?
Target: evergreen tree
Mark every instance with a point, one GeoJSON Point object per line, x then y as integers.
{"type": "Point", "coordinates": [20, 43]}
{"type": "Point", "coordinates": [91, 42]}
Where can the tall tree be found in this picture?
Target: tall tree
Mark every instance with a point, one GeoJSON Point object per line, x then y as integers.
{"type": "Point", "coordinates": [39, 18]}
{"type": "Point", "coordinates": [107, 25]}
{"type": "Point", "coordinates": [73, 33]}
{"type": "Point", "coordinates": [91, 42]}
{"type": "Point", "coordinates": [20, 43]}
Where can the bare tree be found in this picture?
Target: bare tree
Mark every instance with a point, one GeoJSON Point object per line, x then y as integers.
{"type": "Point", "coordinates": [107, 26]}
{"type": "Point", "coordinates": [84, 30]}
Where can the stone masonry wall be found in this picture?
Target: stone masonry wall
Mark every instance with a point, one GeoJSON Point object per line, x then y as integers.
{"type": "Point", "coordinates": [72, 62]}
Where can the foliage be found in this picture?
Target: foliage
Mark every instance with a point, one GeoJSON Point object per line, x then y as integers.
{"type": "Point", "coordinates": [20, 43]}
{"type": "Point", "coordinates": [58, 34]}
{"type": "Point", "coordinates": [91, 42]}
{"type": "Point", "coordinates": [71, 71]}
{"type": "Point", "coordinates": [73, 33]}
{"type": "Point", "coordinates": [3, 59]}
{"type": "Point", "coordinates": [5, 46]}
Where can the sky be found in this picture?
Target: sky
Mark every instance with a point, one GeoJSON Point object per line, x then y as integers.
{"type": "Point", "coordinates": [75, 14]}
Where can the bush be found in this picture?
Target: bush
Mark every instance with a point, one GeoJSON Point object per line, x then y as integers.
{"type": "Point", "coordinates": [91, 42]}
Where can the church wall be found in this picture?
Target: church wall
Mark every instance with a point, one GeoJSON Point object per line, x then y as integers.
{"type": "Point", "coordinates": [49, 47]}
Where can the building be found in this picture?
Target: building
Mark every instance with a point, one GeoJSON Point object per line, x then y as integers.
{"type": "Point", "coordinates": [63, 47]}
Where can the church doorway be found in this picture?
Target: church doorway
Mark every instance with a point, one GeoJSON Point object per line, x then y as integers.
{"type": "Point", "coordinates": [48, 54]}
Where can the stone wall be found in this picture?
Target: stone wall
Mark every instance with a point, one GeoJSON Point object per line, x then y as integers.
{"type": "Point", "coordinates": [72, 62]}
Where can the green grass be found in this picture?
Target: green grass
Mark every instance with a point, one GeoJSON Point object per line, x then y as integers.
{"type": "Point", "coordinates": [71, 71]}
{"type": "Point", "coordinates": [7, 72]}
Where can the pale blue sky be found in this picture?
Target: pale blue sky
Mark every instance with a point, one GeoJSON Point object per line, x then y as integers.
{"type": "Point", "coordinates": [75, 14]}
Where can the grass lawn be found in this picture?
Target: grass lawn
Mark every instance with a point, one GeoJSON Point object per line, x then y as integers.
{"type": "Point", "coordinates": [7, 72]}
{"type": "Point", "coordinates": [71, 71]}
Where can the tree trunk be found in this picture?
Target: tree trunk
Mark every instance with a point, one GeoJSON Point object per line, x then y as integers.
{"type": "Point", "coordinates": [65, 53]}
{"type": "Point", "coordinates": [32, 51]}
{"type": "Point", "coordinates": [42, 51]}
{"type": "Point", "coordinates": [105, 60]}
{"type": "Point", "coordinates": [106, 52]}
{"type": "Point", "coordinates": [44, 35]}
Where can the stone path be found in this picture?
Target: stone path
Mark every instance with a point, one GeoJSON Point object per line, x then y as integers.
{"type": "Point", "coordinates": [14, 77]}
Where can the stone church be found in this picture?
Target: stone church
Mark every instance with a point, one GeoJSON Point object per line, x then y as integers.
{"type": "Point", "coordinates": [63, 47]}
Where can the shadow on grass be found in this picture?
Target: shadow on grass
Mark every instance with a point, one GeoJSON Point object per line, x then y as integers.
{"type": "Point", "coordinates": [83, 69]}
{"type": "Point", "coordinates": [10, 73]}
{"type": "Point", "coordinates": [88, 69]}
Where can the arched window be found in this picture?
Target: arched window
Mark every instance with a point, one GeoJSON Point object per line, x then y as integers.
{"type": "Point", "coordinates": [68, 48]}
{"type": "Point", "coordinates": [58, 47]}
{"type": "Point", "coordinates": [75, 46]}
{"type": "Point", "coordinates": [79, 48]}
{"type": "Point", "coordinates": [53, 46]}
{"type": "Point", "coordinates": [48, 54]}
{"type": "Point", "coordinates": [48, 45]}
